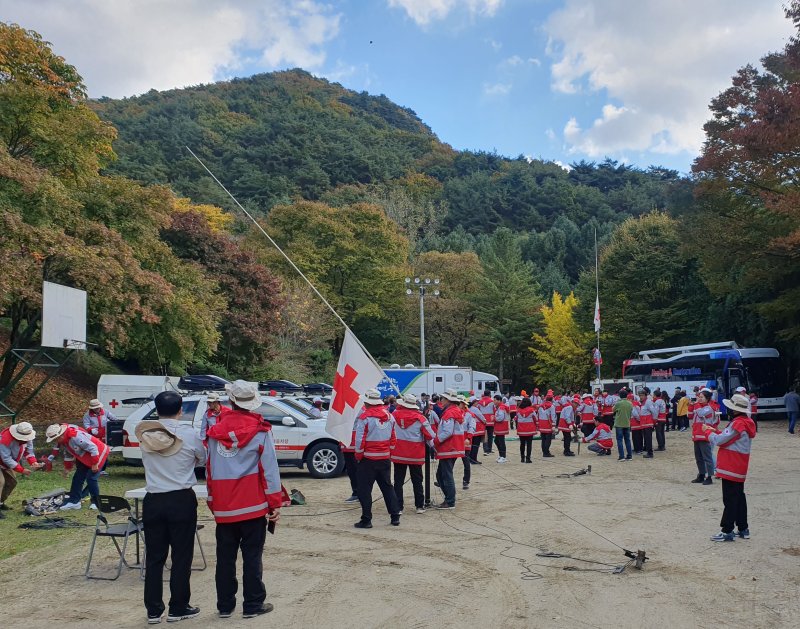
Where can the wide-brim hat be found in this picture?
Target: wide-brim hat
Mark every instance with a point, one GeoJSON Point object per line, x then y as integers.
{"type": "Point", "coordinates": [450, 395]}
{"type": "Point", "coordinates": [244, 394]}
{"type": "Point", "coordinates": [156, 438]}
{"type": "Point", "coordinates": [588, 396]}
{"type": "Point", "coordinates": [409, 400]}
{"type": "Point", "coordinates": [212, 397]}
{"type": "Point", "coordinates": [54, 431]}
{"type": "Point", "coordinates": [372, 397]}
{"type": "Point", "coordinates": [95, 404]}
{"type": "Point", "coordinates": [738, 403]}
{"type": "Point", "coordinates": [22, 431]}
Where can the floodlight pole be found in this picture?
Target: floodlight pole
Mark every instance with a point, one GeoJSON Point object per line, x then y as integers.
{"type": "Point", "coordinates": [422, 285]}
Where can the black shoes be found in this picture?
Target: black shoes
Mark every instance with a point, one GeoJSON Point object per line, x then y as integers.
{"type": "Point", "coordinates": [708, 481]}
{"type": "Point", "coordinates": [185, 614]}
{"type": "Point", "coordinates": [547, 455]}
{"type": "Point", "coordinates": [266, 608]}
{"type": "Point", "coordinates": [528, 460]}
{"type": "Point", "coordinates": [475, 462]}
{"type": "Point", "coordinates": [569, 453]}
{"type": "Point", "coordinates": [699, 479]}
{"type": "Point", "coordinates": [648, 456]}
{"type": "Point", "coordinates": [395, 520]}
{"type": "Point", "coordinates": [363, 524]}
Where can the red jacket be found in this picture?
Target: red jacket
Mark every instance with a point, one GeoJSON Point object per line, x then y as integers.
{"type": "Point", "coordinates": [486, 407]}
{"type": "Point", "coordinates": [501, 419]}
{"type": "Point", "coordinates": [602, 433]}
{"type": "Point", "coordinates": [703, 414]}
{"type": "Point", "coordinates": [733, 457]}
{"type": "Point", "coordinates": [411, 431]}
{"type": "Point", "coordinates": [242, 468]}
{"type": "Point", "coordinates": [526, 422]}
{"type": "Point", "coordinates": [546, 418]}
{"type": "Point", "coordinates": [587, 412]}
{"type": "Point", "coordinates": [375, 435]}
{"type": "Point", "coordinates": [79, 444]}
{"type": "Point", "coordinates": [566, 419]}
{"type": "Point", "coordinates": [480, 422]}
{"type": "Point", "coordinates": [12, 451]}
{"type": "Point", "coordinates": [647, 414]}
{"type": "Point", "coordinates": [449, 442]}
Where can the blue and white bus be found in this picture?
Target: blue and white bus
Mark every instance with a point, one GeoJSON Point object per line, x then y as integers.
{"type": "Point", "coordinates": [759, 370]}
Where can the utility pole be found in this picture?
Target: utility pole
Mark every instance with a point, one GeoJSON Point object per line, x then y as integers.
{"type": "Point", "coordinates": [422, 286]}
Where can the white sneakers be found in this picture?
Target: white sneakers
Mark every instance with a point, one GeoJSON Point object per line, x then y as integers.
{"type": "Point", "coordinates": [70, 506]}
{"type": "Point", "coordinates": [501, 459]}
{"type": "Point", "coordinates": [420, 510]}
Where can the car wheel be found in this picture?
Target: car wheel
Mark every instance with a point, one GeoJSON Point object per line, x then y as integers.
{"type": "Point", "coordinates": [325, 460]}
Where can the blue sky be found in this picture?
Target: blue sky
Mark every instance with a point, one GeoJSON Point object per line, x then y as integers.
{"type": "Point", "coordinates": [562, 80]}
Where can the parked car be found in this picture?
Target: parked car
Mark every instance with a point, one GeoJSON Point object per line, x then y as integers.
{"type": "Point", "coordinates": [202, 383]}
{"type": "Point", "coordinates": [318, 388]}
{"type": "Point", "coordinates": [300, 440]}
{"type": "Point", "coordinates": [280, 386]}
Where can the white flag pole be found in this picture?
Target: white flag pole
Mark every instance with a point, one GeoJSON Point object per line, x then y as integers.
{"type": "Point", "coordinates": [597, 296]}
{"type": "Point", "coordinates": [293, 265]}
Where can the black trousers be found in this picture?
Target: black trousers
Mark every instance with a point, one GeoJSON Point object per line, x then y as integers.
{"type": "Point", "coordinates": [476, 446]}
{"type": "Point", "coordinates": [647, 440]}
{"type": "Point", "coordinates": [735, 502]}
{"type": "Point", "coordinates": [587, 429]}
{"type": "Point", "coordinates": [249, 537]}
{"type": "Point", "coordinates": [638, 441]}
{"type": "Point", "coordinates": [350, 464]}
{"type": "Point", "coordinates": [170, 524]}
{"type": "Point", "coordinates": [608, 420]}
{"type": "Point", "coordinates": [661, 441]}
{"type": "Point", "coordinates": [500, 442]}
{"type": "Point", "coordinates": [487, 445]}
{"type": "Point", "coordinates": [525, 447]}
{"type": "Point", "coordinates": [467, 469]}
{"type": "Point", "coordinates": [674, 425]}
{"type": "Point", "coordinates": [546, 441]}
{"type": "Point", "coordinates": [567, 441]}
{"type": "Point", "coordinates": [415, 471]}
{"type": "Point", "coordinates": [369, 473]}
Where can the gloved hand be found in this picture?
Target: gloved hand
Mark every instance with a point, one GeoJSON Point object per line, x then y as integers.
{"type": "Point", "coordinates": [94, 431]}
{"type": "Point", "coordinates": [52, 457]}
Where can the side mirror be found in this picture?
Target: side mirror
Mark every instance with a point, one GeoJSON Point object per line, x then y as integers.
{"type": "Point", "coordinates": [287, 421]}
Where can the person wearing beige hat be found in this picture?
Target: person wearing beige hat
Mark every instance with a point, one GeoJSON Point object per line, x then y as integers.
{"type": "Point", "coordinates": [96, 419]}
{"type": "Point", "coordinates": [412, 430]}
{"type": "Point", "coordinates": [16, 443]}
{"type": "Point", "coordinates": [83, 451]}
{"type": "Point", "coordinates": [170, 453]}
{"type": "Point", "coordinates": [212, 414]}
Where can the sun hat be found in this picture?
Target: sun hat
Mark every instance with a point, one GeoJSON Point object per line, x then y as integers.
{"type": "Point", "coordinates": [244, 394]}
{"type": "Point", "coordinates": [372, 397]}
{"type": "Point", "coordinates": [461, 398]}
{"type": "Point", "coordinates": [156, 438]}
{"type": "Point", "coordinates": [22, 431]}
{"type": "Point", "coordinates": [95, 404]}
{"type": "Point", "coordinates": [212, 397]}
{"type": "Point", "coordinates": [451, 395]}
{"type": "Point", "coordinates": [741, 390]}
{"type": "Point", "coordinates": [738, 403]}
{"type": "Point", "coordinates": [408, 400]}
{"type": "Point", "coordinates": [54, 431]}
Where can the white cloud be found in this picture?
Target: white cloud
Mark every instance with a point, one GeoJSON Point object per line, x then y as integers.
{"type": "Point", "coordinates": [423, 12]}
{"type": "Point", "coordinates": [496, 45]}
{"type": "Point", "coordinates": [123, 48]}
{"type": "Point", "coordinates": [496, 89]}
{"type": "Point", "coordinates": [550, 134]}
{"type": "Point", "coordinates": [660, 67]}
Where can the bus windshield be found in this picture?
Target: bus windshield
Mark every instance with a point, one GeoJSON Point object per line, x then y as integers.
{"type": "Point", "coordinates": [765, 376]}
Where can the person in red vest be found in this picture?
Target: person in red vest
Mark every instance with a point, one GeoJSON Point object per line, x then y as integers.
{"type": "Point", "coordinates": [501, 427]}
{"type": "Point", "coordinates": [647, 421]}
{"type": "Point", "coordinates": [704, 415]}
{"type": "Point", "coordinates": [89, 455]}
{"type": "Point", "coordinates": [661, 416]}
{"type": "Point", "coordinates": [566, 421]}
{"type": "Point", "coordinates": [479, 430]}
{"type": "Point", "coordinates": [95, 420]}
{"type": "Point", "coordinates": [469, 431]}
{"type": "Point", "coordinates": [546, 422]}
{"type": "Point", "coordinates": [412, 430]}
{"type": "Point", "coordinates": [526, 428]}
{"type": "Point", "coordinates": [16, 443]}
{"type": "Point", "coordinates": [211, 416]}
{"type": "Point", "coordinates": [449, 446]}
{"type": "Point", "coordinates": [606, 408]}
{"type": "Point", "coordinates": [486, 408]}
{"type": "Point", "coordinates": [601, 433]}
{"type": "Point", "coordinates": [536, 399]}
{"type": "Point", "coordinates": [636, 425]}
{"type": "Point", "coordinates": [587, 411]}
{"type": "Point", "coordinates": [733, 459]}
{"type": "Point", "coordinates": [375, 440]}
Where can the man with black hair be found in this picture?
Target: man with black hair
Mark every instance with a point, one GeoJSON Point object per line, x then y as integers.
{"type": "Point", "coordinates": [170, 454]}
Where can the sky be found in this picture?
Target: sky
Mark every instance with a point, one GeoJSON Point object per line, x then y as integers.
{"type": "Point", "coordinates": [560, 80]}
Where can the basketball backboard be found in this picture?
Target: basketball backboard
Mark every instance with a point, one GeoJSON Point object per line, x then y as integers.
{"type": "Point", "coordinates": [63, 316]}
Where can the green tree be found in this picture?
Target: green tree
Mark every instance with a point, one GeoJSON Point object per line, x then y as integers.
{"type": "Point", "coordinates": [562, 349]}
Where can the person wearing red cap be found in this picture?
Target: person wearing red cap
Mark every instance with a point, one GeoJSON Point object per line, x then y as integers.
{"type": "Point", "coordinates": [587, 412]}
{"type": "Point", "coordinates": [536, 399]}
{"type": "Point", "coordinates": [546, 422]}
{"type": "Point", "coordinates": [526, 428]}
{"type": "Point", "coordinates": [501, 427]}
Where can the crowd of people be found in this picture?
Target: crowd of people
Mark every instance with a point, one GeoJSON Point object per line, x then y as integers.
{"type": "Point", "coordinates": [394, 432]}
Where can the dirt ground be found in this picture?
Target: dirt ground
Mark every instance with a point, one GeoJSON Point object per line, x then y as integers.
{"type": "Point", "coordinates": [478, 565]}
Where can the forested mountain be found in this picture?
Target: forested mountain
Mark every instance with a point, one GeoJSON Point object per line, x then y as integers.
{"type": "Point", "coordinates": [102, 195]}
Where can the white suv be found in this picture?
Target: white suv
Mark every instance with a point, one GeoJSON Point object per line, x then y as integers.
{"type": "Point", "coordinates": [299, 438]}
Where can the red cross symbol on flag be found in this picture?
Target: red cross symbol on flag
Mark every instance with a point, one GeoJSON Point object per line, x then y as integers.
{"type": "Point", "coordinates": [355, 374]}
{"type": "Point", "coordinates": [344, 393]}
{"type": "Point", "coordinates": [113, 404]}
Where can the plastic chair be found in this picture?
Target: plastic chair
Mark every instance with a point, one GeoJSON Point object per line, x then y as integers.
{"type": "Point", "coordinates": [118, 530]}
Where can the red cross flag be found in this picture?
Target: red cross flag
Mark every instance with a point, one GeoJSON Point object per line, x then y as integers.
{"type": "Point", "coordinates": [355, 374]}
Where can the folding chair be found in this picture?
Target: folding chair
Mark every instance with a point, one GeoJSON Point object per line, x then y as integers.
{"type": "Point", "coordinates": [123, 529]}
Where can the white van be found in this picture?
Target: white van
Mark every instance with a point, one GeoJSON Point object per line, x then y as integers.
{"type": "Point", "coordinates": [436, 379]}
{"type": "Point", "coordinates": [300, 440]}
{"type": "Point", "coordinates": [121, 395]}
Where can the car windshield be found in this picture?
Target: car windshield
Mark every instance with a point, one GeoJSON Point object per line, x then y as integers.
{"type": "Point", "coordinates": [187, 411]}
{"type": "Point", "coordinates": [299, 406]}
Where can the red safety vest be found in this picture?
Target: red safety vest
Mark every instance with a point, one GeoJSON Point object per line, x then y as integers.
{"type": "Point", "coordinates": [526, 422]}
{"type": "Point", "coordinates": [733, 457]}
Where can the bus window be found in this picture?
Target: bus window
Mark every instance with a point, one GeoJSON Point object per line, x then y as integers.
{"type": "Point", "coordinates": [765, 376]}
{"type": "Point", "coordinates": [492, 386]}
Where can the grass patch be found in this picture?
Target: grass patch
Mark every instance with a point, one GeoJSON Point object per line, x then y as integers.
{"type": "Point", "coordinates": [14, 540]}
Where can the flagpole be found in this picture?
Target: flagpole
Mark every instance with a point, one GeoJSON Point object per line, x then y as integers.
{"type": "Point", "coordinates": [597, 294]}
{"type": "Point", "coordinates": [293, 265]}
